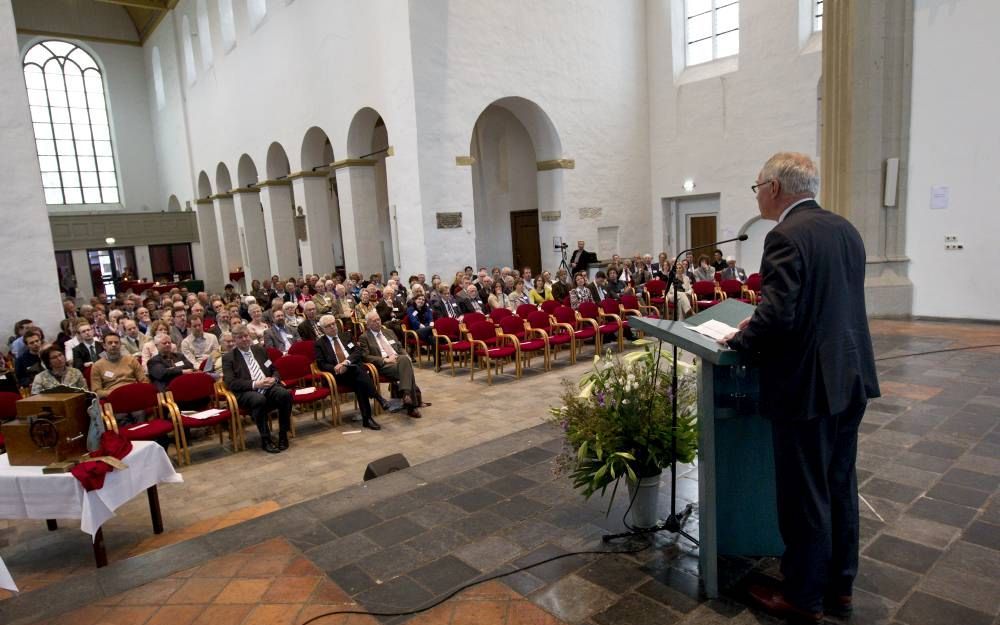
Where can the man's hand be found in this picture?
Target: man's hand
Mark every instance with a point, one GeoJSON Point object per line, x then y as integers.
{"type": "Point", "coordinates": [392, 359]}
{"type": "Point", "coordinates": [340, 368]}
{"type": "Point", "coordinates": [743, 324]}
{"type": "Point", "coordinates": [724, 341]}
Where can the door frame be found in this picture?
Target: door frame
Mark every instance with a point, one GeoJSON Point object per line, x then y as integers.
{"type": "Point", "coordinates": [538, 242]}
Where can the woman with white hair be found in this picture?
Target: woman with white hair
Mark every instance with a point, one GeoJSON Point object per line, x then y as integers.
{"type": "Point", "coordinates": [257, 325]}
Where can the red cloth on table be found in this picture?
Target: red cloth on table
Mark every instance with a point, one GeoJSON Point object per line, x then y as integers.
{"type": "Point", "coordinates": [91, 473]}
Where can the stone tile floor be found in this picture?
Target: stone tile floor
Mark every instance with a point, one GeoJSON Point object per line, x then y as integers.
{"type": "Point", "coordinates": [929, 465]}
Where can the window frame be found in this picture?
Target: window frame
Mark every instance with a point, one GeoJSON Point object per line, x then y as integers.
{"type": "Point", "coordinates": [816, 15]}
{"type": "Point", "coordinates": [714, 36]}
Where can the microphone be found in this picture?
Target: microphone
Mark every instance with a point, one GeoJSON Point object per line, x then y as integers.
{"type": "Point", "coordinates": [673, 268]}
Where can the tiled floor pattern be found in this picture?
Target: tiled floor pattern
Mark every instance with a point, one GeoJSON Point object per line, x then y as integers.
{"type": "Point", "coordinates": [929, 464]}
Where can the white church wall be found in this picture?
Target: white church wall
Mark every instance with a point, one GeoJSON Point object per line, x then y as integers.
{"type": "Point", "coordinates": [954, 134]}
{"type": "Point", "coordinates": [584, 66]}
{"type": "Point", "coordinates": [126, 89]}
{"type": "Point", "coordinates": [717, 123]}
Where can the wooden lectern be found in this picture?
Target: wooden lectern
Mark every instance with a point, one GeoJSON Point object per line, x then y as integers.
{"type": "Point", "coordinates": [737, 514]}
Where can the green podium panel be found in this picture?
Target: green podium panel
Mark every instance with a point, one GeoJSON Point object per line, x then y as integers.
{"type": "Point", "coordinates": [736, 508]}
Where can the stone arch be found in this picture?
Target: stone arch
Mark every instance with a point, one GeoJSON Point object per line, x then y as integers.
{"type": "Point", "coordinates": [276, 165]}
{"type": "Point", "coordinates": [317, 152]}
{"type": "Point", "coordinates": [173, 204]}
{"type": "Point", "coordinates": [368, 136]}
{"type": "Point", "coordinates": [204, 185]}
{"type": "Point", "coordinates": [246, 171]}
{"type": "Point", "coordinates": [223, 181]}
{"type": "Point", "coordinates": [361, 132]}
{"type": "Point", "coordinates": [540, 127]}
{"type": "Point", "coordinates": [284, 225]}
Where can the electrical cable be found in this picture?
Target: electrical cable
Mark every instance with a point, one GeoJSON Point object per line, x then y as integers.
{"type": "Point", "coordinates": [438, 601]}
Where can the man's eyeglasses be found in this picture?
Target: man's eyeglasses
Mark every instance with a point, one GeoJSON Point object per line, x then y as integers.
{"type": "Point", "coordinates": [758, 185]}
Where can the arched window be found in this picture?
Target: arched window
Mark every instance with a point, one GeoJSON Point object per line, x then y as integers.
{"type": "Point", "coordinates": [161, 96]}
{"type": "Point", "coordinates": [70, 118]}
{"type": "Point", "coordinates": [227, 24]}
{"type": "Point", "coordinates": [256, 9]}
{"type": "Point", "coordinates": [189, 66]}
{"type": "Point", "coordinates": [205, 35]}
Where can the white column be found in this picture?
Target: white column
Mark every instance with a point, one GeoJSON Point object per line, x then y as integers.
{"type": "Point", "coordinates": [215, 275]}
{"type": "Point", "coordinates": [250, 229]}
{"type": "Point", "coordinates": [228, 232]}
{"type": "Point", "coordinates": [311, 193]}
{"type": "Point", "coordinates": [551, 199]}
{"type": "Point", "coordinates": [358, 219]}
{"type": "Point", "coordinates": [279, 228]}
{"type": "Point", "coordinates": [143, 265]}
{"type": "Point", "coordinates": [31, 284]}
{"type": "Point", "coordinates": [84, 283]}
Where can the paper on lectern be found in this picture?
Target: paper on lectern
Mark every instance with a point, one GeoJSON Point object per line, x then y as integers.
{"type": "Point", "coordinates": [713, 329]}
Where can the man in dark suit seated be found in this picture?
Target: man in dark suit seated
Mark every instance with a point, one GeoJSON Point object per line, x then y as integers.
{"type": "Point", "coordinates": [391, 310]}
{"type": "Point", "coordinates": [88, 349]}
{"type": "Point", "coordinates": [167, 364]}
{"type": "Point", "coordinates": [445, 305]}
{"type": "Point", "coordinates": [817, 373]}
{"type": "Point", "coordinates": [249, 374]}
{"type": "Point", "coordinates": [599, 288]}
{"type": "Point", "coordinates": [581, 259]}
{"type": "Point", "coordinates": [732, 272]}
{"type": "Point", "coordinates": [380, 347]}
{"type": "Point", "coordinates": [471, 301]}
{"type": "Point", "coordinates": [344, 362]}
{"type": "Point", "coordinates": [280, 335]}
{"type": "Point", "coordinates": [309, 326]}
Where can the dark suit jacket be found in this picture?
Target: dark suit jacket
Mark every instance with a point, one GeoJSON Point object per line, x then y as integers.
{"type": "Point", "coordinates": [163, 370]}
{"type": "Point", "coordinates": [465, 305]}
{"type": "Point", "coordinates": [271, 338]}
{"type": "Point", "coordinates": [81, 355]}
{"type": "Point", "coordinates": [608, 293]}
{"type": "Point", "coordinates": [734, 274]}
{"type": "Point", "coordinates": [810, 329]}
{"type": "Point", "coordinates": [236, 374]}
{"type": "Point", "coordinates": [581, 260]}
{"type": "Point", "coordinates": [326, 357]}
{"type": "Point", "coordinates": [370, 351]}
{"type": "Point", "coordinates": [441, 310]}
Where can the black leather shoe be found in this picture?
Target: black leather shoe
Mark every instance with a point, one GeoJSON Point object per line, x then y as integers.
{"type": "Point", "coordinates": [268, 445]}
{"type": "Point", "coordinates": [382, 401]}
{"type": "Point", "coordinates": [840, 606]}
{"type": "Point", "coordinates": [282, 442]}
{"type": "Point", "coordinates": [371, 424]}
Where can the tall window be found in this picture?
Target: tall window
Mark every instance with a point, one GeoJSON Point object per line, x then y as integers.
{"type": "Point", "coordinates": [158, 91]}
{"type": "Point", "coordinates": [205, 35]}
{"type": "Point", "coordinates": [227, 24]}
{"type": "Point", "coordinates": [712, 29]}
{"type": "Point", "coordinates": [817, 15]}
{"type": "Point", "coordinates": [189, 66]}
{"type": "Point", "coordinates": [70, 118]}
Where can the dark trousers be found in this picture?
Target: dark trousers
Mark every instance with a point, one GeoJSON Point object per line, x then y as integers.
{"type": "Point", "coordinates": [817, 493]}
{"type": "Point", "coordinates": [259, 404]}
{"type": "Point", "coordinates": [402, 373]}
{"type": "Point", "coordinates": [357, 379]}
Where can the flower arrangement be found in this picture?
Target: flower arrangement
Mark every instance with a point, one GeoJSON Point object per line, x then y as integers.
{"type": "Point", "coordinates": [618, 421]}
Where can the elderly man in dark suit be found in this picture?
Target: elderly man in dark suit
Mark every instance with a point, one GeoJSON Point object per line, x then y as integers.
{"type": "Point", "coordinates": [249, 374]}
{"type": "Point", "coordinates": [380, 347]}
{"type": "Point", "coordinates": [343, 360]}
{"type": "Point", "coordinates": [817, 373]}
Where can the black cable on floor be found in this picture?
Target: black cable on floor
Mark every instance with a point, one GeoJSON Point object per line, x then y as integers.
{"type": "Point", "coordinates": [449, 595]}
{"type": "Point", "coordinates": [937, 351]}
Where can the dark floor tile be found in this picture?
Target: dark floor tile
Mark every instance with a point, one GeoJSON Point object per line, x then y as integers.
{"type": "Point", "coordinates": [518, 508]}
{"type": "Point", "coordinates": [617, 573]}
{"type": "Point", "coordinates": [938, 449]}
{"type": "Point", "coordinates": [925, 462]}
{"type": "Point", "coordinates": [867, 428]}
{"type": "Point", "coordinates": [893, 491]}
{"type": "Point", "coordinates": [903, 553]}
{"type": "Point", "coordinates": [433, 491]}
{"type": "Point", "coordinates": [435, 514]}
{"type": "Point", "coordinates": [668, 594]}
{"type": "Point", "coordinates": [569, 516]}
{"type": "Point", "coordinates": [396, 595]}
{"type": "Point", "coordinates": [394, 506]}
{"type": "Point", "coordinates": [924, 609]}
{"type": "Point", "coordinates": [556, 569]}
{"type": "Point", "coordinates": [984, 534]}
{"type": "Point", "coordinates": [341, 552]}
{"type": "Point", "coordinates": [573, 599]}
{"type": "Point", "coordinates": [467, 480]}
{"type": "Point", "coordinates": [309, 536]}
{"type": "Point", "coordinates": [510, 485]}
{"type": "Point", "coordinates": [502, 466]}
{"type": "Point", "coordinates": [869, 609]}
{"type": "Point", "coordinates": [351, 579]}
{"type": "Point", "coordinates": [444, 574]}
{"type": "Point", "coordinates": [394, 531]}
{"type": "Point", "coordinates": [972, 479]}
{"type": "Point", "coordinates": [479, 524]}
{"type": "Point", "coordinates": [958, 494]}
{"type": "Point", "coordinates": [522, 582]}
{"type": "Point", "coordinates": [942, 512]}
{"type": "Point", "coordinates": [352, 522]}
{"type": "Point", "coordinates": [488, 553]}
{"type": "Point", "coordinates": [475, 499]}
{"type": "Point", "coordinates": [886, 407]}
{"type": "Point", "coordinates": [388, 563]}
{"type": "Point", "coordinates": [884, 580]}
{"type": "Point", "coordinates": [533, 455]}
{"type": "Point", "coordinates": [531, 533]}
{"type": "Point", "coordinates": [637, 609]}
{"type": "Point", "coordinates": [912, 424]}
{"type": "Point", "coordinates": [985, 449]}
{"type": "Point", "coordinates": [966, 424]}
{"type": "Point", "coordinates": [437, 542]}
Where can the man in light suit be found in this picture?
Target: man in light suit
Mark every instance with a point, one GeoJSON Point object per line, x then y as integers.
{"type": "Point", "coordinates": [380, 347]}
{"type": "Point", "coordinates": [249, 374]}
{"type": "Point", "coordinates": [732, 272]}
{"type": "Point", "coordinates": [817, 373]}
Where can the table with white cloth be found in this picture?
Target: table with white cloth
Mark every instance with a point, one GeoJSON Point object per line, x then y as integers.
{"type": "Point", "coordinates": [27, 493]}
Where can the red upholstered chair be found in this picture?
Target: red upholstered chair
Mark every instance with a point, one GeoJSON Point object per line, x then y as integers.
{"type": "Point", "coordinates": [303, 348]}
{"type": "Point", "coordinates": [582, 329]}
{"type": "Point", "coordinates": [491, 349]}
{"type": "Point", "coordinates": [565, 301]}
{"type": "Point", "coordinates": [198, 391]}
{"type": "Point", "coordinates": [338, 391]}
{"type": "Point", "coordinates": [8, 410]}
{"type": "Point", "coordinates": [412, 339]}
{"type": "Point", "coordinates": [549, 305]}
{"type": "Point", "coordinates": [608, 324]}
{"type": "Point", "coordinates": [86, 373]}
{"type": "Point", "coordinates": [296, 373]}
{"type": "Point", "coordinates": [706, 295]}
{"type": "Point", "coordinates": [498, 314]}
{"type": "Point", "coordinates": [540, 324]}
{"type": "Point", "coordinates": [656, 294]}
{"type": "Point", "coordinates": [753, 285]}
{"type": "Point", "coordinates": [208, 323]}
{"type": "Point", "coordinates": [141, 396]}
{"type": "Point", "coordinates": [274, 354]}
{"type": "Point", "coordinates": [529, 341]}
{"type": "Point", "coordinates": [718, 277]}
{"type": "Point", "coordinates": [734, 289]}
{"type": "Point", "coordinates": [629, 306]}
{"type": "Point", "coordinates": [474, 317]}
{"type": "Point", "coordinates": [525, 309]}
{"type": "Point", "coordinates": [448, 337]}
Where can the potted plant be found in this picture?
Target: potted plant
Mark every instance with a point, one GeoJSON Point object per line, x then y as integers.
{"type": "Point", "coordinates": [618, 424]}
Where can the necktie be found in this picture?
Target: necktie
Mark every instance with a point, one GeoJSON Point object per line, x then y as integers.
{"type": "Point", "coordinates": [284, 339]}
{"type": "Point", "coordinates": [600, 294]}
{"type": "Point", "coordinates": [384, 344]}
{"type": "Point", "coordinates": [475, 304]}
{"type": "Point", "coordinates": [451, 313]}
{"type": "Point", "coordinates": [339, 349]}
{"type": "Point", "coordinates": [93, 353]}
{"type": "Point", "coordinates": [255, 371]}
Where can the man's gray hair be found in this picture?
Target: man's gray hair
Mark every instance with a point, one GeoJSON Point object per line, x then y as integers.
{"type": "Point", "coordinates": [326, 320]}
{"type": "Point", "coordinates": [794, 171]}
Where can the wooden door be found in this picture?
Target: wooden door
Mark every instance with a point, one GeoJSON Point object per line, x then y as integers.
{"type": "Point", "coordinates": [524, 241]}
{"type": "Point", "coordinates": [702, 230]}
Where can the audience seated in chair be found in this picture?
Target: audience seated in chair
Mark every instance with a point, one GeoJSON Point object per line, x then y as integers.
{"type": "Point", "coordinates": [380, 347]}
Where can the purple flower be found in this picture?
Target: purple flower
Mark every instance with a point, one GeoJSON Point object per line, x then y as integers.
{"type": "Point", "coordinates": [600, 399]}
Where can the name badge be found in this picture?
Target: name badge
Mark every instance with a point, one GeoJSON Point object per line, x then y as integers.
{"type": "Point", "coordinates": [109, 374]}
{"type": "Point", "coordinates": [267, 363]}
{"type": "Point", "coordinates": [395, 309]}
{"type": "Point", "coordinates": [350, 346]}
{"type": "Point", "coordinates": [179, 363]}
{"type": "Point", "coordinates": [392, 341]}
